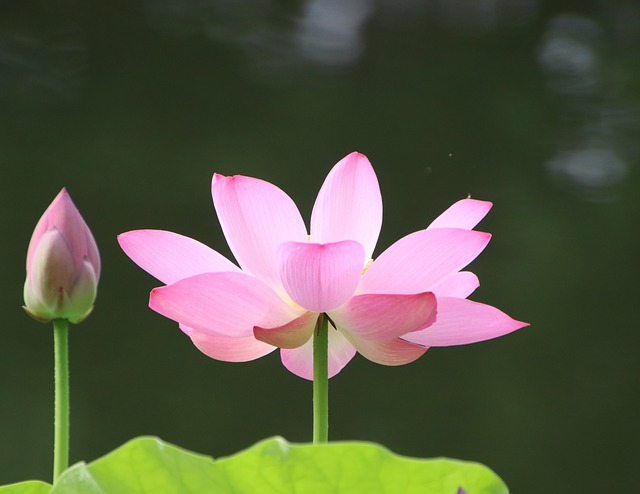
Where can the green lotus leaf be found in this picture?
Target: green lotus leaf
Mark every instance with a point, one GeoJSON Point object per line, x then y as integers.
{"type": "Point", "coordinates": [148, 465]}
{"type": "Point", "coordinates": [30, 487]}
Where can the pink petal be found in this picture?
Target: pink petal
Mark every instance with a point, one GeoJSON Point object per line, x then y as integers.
{"type": "Point", "coordinates": [291, 335]}
{"type": "Point", "coordinates": [460, 284]}
{"type": "Point", "coordinates": [228, 348]}
{"type": "Point", "coordinates": [390, 352]}
{"type": "Point", "coordinates": [300, 360]}
{"type": "Point", "coordinates": [170, 257]}
{"type": "Point", "coordinates": [63, 215]}
{"type": "Point", "coordinates": [349, 205]}
{"type": "Point", "coordinates": [256, 217]}
{"type": "Point", "coordinates": [320, 277]}
{"type": "Point", "coordinates": [82, 295]}
{"type": "Point", "coordinates": [421, 260]}
{"type": "Point", "coordinates": [228, 304]}
{"type": "Point", "coordinates": [52, 267]}
{"type": "Point", "coordinates": [465, 214]}
{"type": "Point", "coordinates": [462, 321]}
{"type": "Point", "coordinates": [384, 317]}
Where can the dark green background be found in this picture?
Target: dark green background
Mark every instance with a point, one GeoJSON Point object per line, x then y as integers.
{"type": "Point", "coordinates": [532, 105]}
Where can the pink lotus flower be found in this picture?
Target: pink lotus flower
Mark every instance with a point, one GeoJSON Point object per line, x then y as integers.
{"type": "Point", "coordinates": [385, 309]}
{"type": "Point", "coordinates": [63, 265]}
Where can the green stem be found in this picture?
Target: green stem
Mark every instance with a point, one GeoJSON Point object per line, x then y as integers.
{"type": "Point", "coordinates": [61, 413]}
{"type": "Point", "coordinates": [321, 380]}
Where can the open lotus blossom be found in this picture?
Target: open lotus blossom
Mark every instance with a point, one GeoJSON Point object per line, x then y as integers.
{"type": "Point", "coordinates": [390, 310]}
{"type": "Point", "coordinates": [63, 265]}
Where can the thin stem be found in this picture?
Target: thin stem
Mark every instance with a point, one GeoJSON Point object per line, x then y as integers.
{"type": "Point", "coordinates": [61, 407]}
{"type": "Point", "coordinates": [321, 380]}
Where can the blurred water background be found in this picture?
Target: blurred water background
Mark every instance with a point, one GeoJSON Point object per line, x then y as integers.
{"type": "Point", "coordinates": [534, 105]}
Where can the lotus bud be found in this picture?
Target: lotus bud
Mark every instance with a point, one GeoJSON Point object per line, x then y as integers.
{"type": "Point", "coordinates": [63, 265]}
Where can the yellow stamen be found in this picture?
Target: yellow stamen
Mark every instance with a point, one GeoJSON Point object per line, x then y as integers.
{"type": "Point", "coordinates": [367, 266]}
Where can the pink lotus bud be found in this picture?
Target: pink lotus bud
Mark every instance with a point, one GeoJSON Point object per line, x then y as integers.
{"type": "Point", "coordinates": [63, 265]}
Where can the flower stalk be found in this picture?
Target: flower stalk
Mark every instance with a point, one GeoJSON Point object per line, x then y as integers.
{"type": "Point", "coordinates": [321, 380]}
{"type": "Point", "coordinates": [61, 407]}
